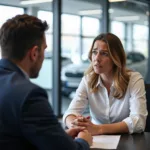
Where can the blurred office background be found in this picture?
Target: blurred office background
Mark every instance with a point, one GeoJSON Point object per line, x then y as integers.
{"type": "Point", "coordinates": [73, 26]}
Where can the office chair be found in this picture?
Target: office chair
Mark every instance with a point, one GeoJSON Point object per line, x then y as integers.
{"type": "Point", "coordinates": [147, 88]}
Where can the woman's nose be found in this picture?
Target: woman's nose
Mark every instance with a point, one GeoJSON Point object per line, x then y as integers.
{"type": "Point", "coordinates": [97, 56]}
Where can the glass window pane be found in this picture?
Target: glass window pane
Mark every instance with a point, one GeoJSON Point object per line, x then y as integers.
{"type": "Point", "coordinates": [140, 32]}
{"type": "Point", "coordinates": [141, 46]}
{"type": "Point", "coordinates": [140, 36]}
{"type": "Point", "coordinates": [70, 24]}
{"type": "Point", "coordinates": [49, 42]}
{"type": "Point", "coordinates": [90, 26]}
{"type": "Point", "coordinates": [135, 35]}
{"type": "Point", "coordinates": [70, 46]}
{"type": "Point", "coordinates": [48, 17]}
{"type": "Point", "coordinates": [118, 28]}
{"type": "Point", "coordinates": [87, 43]}
{"type": "Point", "coordinates": [7, 12]}
{"type": "Point", "coordinates": [88, 12]}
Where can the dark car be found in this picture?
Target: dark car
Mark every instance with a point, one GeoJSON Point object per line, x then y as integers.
{"type": "Point", "coordinates": [135, 57]}
{"type": "Point", "coordinates": [137, 62]}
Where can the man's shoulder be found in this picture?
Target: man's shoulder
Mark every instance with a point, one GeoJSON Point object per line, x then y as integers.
{"type": "Point", "coordinates": [20, 90]}
{"type": "Point", "coordinates": [26, 87]}
{"type": "Point", "coordinates": [21, 83]}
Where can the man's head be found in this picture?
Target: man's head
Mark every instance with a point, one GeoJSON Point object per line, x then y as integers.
{"type": "Point", "coordinates": [22, 39]}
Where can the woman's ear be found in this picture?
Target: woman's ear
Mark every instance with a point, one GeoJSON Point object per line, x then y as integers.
{"type": "Point", "coordinates": [33, 53]}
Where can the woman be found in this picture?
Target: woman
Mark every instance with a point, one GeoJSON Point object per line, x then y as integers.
{"type": "Point", "coordinates": [115, 95]}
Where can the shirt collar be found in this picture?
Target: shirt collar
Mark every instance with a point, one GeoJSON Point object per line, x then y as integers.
{"type": "Point", "coordinates": [101, 83]}
{"type": "Point", "coordinates": [25, 74]}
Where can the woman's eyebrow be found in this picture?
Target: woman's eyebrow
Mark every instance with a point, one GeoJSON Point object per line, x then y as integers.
{"type": "Point", "coordinates": [100, 50]}
{"type": "Point", "coordinates": [104, 50]}
{"type": "Point", "coordinates": [95, 48]}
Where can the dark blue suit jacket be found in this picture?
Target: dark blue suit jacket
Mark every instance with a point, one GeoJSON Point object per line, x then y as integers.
{"type": "Point", "coordinates": [27, 121]}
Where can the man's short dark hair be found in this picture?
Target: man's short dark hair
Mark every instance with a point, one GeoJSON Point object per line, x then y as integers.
{"type": "Point", "coordinates": [19, 34]}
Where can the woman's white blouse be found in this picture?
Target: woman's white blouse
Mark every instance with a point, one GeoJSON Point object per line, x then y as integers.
{"type": "Point", "coordinates": [106, 109]}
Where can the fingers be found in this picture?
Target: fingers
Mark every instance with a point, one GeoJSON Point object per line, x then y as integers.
{"type": "Point", "coordinates": [82, 118]}
{"type": "Point", "coordinates": [84, 124]}
{"type": "Point", "coordinates": [79, 124]}
{"type": "Point", "coordinates": [78, 128]}
{"type": "Point", "coordinates": [80, 121]}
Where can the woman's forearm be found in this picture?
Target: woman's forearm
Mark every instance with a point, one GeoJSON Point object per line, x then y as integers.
{"type": "Point", "coordinates": [120, 127]}
{"type": "Point", "coordinates": [114, 128]}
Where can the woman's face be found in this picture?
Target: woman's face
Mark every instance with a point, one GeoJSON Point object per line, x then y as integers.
{"type": "Point", "coordinates": [101, 61]}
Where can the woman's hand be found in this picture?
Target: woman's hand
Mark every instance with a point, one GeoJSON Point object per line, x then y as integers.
{"type": "Point", "coordinates": [81, 121]}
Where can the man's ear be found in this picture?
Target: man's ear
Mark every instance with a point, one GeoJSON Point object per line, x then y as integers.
{"type": "Point", "coordinates": [33, 53]}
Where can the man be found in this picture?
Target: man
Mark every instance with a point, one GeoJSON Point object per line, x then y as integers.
{"type": "Point", "coordinates": [27, 121]}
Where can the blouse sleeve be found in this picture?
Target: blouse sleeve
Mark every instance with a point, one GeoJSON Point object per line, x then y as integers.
{"type": "Point", "coordinates": [79, 102]}
{"type": "Point", "coordinates": [138, 109]}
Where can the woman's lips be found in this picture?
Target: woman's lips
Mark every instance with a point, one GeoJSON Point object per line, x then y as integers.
{"type": "Point", "coordinates": [97, 65]}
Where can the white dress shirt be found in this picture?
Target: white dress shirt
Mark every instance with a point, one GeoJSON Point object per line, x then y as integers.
{"type": "Point", "coordinates": [106, 109]}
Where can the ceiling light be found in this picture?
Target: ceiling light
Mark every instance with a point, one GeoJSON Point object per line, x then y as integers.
{"type": "Point", "coordinates": [127, 18]}
{"type": "Point", "coordinates": [90, 12]}
{"type": "Point", "coordinates": [93, 12]}
{"type": "Point", "coordinates": [28, 2]}
{"type": "Point", "coordinates": [116, 1]}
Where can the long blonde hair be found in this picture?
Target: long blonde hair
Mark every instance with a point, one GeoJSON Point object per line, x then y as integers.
{"type": "Point", "coordinates": [117, 54]}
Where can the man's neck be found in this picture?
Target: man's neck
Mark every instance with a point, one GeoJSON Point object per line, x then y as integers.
{"type": "Point", "coordinates": [22, 65]}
